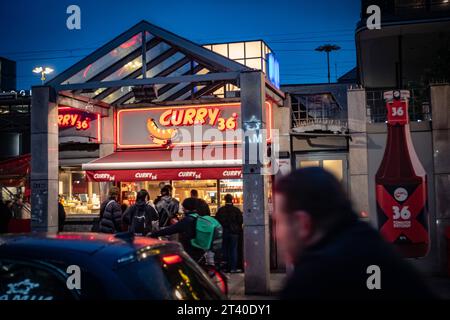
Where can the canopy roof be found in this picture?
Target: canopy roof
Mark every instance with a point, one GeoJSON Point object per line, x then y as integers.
{"type": "Point", "coordinates": [146, 51]}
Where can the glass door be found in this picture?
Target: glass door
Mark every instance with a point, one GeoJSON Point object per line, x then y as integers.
{"type": "Point", "coordinates": [334, 163]}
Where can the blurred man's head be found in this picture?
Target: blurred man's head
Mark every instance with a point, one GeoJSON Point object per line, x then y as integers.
{"type": "Point", "coordinates": [194, 193]}
{"type": "Point", "coordinates": [309, 203]}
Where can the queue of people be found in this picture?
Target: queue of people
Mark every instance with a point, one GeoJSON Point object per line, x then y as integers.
{"type": "Point", "coordinates": [161, 219]}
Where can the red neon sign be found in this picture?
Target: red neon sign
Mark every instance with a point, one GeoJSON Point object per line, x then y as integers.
{"type": "Point", "coordinates": [156, 127]}
{"type": "Point", "coordinates": [76, 122]}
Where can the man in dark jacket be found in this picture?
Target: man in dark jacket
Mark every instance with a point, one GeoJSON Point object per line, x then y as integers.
{"type": "Point", "coordinates": [334, 254]}
{"type": "Point", "coordinates": [140, 215]}
{"type": "Point", "coordinates": [202, 206]}
{"type": "Point", "coordinates": [230, 217]}
{"type": "Point", "coordinates": [167, 207]}
{"type": "Point", "coordinates": [61, 215]}
{"type": "Point", "coordinates": [111, 213]}
{"type": "Point", "coordinates": [185, 228]}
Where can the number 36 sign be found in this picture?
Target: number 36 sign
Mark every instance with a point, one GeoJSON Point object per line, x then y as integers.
{"type": "Point", "coordinates": [397, 112]}
{"type": "Point", "coordinates": [79, 123]}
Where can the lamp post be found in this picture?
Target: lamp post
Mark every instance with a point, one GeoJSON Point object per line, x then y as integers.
{"type": "Point", "coordinates": [43, 71]}
{"type": "Point", "coordinates": [328, 48]}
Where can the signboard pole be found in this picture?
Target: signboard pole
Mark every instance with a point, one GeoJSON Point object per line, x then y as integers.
{"type": "Point", "coordinates": [256, 220]}
{"type": "Point", "coordinates": [44, 160]}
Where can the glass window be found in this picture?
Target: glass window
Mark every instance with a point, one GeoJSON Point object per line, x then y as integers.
{"type": "Point", "coordinates": [309, 163]}
{"type": "Point", "coordinates": [179, 279]}
{"type": "Point", "coordinates": [126, 70]}
{"type": "Point", "coordinates": [236, 50]}
{"type": "Point", "coordinates": [79, 196]}
{"type": "Point", "coordinates": [166, 64]}
{"type": "Point", "coordinates": [107, 60]}
{"type": "Point", "coordinates": [253, 49]}
{"type": "Point", "coordinates": [188, 282]}
{"type": "Point", "coordinates": [335, 167]}
{"type": "Point", "coordinates": [156, 51]}
{"type": "Point", "coordinates": [221, 49]}
{"type": "Point", "coordinates": [235, 188]}
{"type": "Point", "coordinates": [253, 63]}
{"type": "Point", "coordinates": [22, 281]}
{"type": "Point", "coordinates": [207, 190]}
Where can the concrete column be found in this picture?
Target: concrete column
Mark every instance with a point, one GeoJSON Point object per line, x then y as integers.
{"type": "Point", "coordinates": [256, 218]}
{"type": "Point", "coordinates": [357, 166]}
{"type": "Point", "coordinates": [107, 131]}
{"type": "Point", "coordinates": [44, 160]}
{"type": "Point", "coordinates": [440, 106]}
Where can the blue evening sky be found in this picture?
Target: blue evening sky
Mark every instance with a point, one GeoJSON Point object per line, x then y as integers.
{"type": "Point", "coordinates": [34, 32]}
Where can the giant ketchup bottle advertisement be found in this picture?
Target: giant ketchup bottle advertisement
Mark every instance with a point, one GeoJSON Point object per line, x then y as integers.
{"type": "Point", "coordinates": [401, 184]}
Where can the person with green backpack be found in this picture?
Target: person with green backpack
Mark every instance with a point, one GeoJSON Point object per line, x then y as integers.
{"type": "Point", "coordinates": [197, 234]}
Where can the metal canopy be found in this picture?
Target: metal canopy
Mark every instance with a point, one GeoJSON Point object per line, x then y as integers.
{"type": "Point", "coordinates": [148, 55]}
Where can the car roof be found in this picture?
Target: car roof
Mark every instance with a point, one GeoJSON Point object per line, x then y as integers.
{"type": "Point", "coordinates": [89, 243]}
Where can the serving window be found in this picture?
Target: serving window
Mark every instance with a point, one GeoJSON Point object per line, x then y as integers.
{"type": "Point", "coordinates": [78, 195]}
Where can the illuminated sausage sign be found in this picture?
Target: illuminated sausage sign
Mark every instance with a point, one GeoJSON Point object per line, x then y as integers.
{"type": "Point", "coordinates": [163, 126]}
{"type": "Point", "coordinates": [78, 123]}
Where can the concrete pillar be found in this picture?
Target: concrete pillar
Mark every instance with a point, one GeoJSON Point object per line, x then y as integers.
{"type": "Point", "coordinates": [357, 166]}
{"type": "Point", "coordinates": [440, 106]}
{"type": "Point", "coordinates": [44, 160]}
{"type": "Point", "coordinates": [107, 132]}
{"type": "Point", "coordinates": [256, 218]}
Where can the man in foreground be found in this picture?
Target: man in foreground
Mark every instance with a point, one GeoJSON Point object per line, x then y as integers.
{"type": "Point", "coordinates": [332, 251]}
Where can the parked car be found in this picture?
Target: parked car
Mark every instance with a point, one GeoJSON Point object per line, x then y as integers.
{"type": "Point", "coordinates": [99, 266]}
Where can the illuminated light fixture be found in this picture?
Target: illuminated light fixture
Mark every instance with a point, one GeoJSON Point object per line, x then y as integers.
{"type": "Point", "coordinates": [43, 71]}
{"type": "Point", "coordinates": [172, 259]}
{"type": "Point", "coordinates": [133, 65]}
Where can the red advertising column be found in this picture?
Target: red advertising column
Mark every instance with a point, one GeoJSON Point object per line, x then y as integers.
{"type": "Point", "coordinates": [401, 184]}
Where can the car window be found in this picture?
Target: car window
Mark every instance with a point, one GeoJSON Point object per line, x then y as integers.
{"type": "Point", "coordinates": [175, 278]}
{"type": "Point", "coordinates": [186, 280]}
{"type": "Point", "coordinates": [28, 281]}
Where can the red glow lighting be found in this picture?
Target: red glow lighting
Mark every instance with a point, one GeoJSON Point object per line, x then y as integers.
{"type": "Point", "coordinates": [172, 259]}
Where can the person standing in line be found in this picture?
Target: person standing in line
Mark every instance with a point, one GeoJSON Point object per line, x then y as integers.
{"type": "Point", "coordinates": [185, 228]}
{"type": "Point", "coordinates": [140, 216]}
{"type": "Point", "coordinates": [167, 207]}
{"type": "Point", "coordinates": [202, 206]}
{"type": "Point", "coordinates": [231, 219]}
{"type": "Point", "coordinates": [111, 213]}
{"type": "Point", "coordinates": [61, 214]}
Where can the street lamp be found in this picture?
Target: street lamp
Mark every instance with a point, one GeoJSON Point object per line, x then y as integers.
{"type": "Point", "coordinates": [328, 48]}
{"type": "Point", "coordinates": [42, 71]}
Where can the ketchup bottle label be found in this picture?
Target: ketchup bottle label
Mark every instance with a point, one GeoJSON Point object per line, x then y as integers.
{"type": "Point", "coordinates": [402, 213]}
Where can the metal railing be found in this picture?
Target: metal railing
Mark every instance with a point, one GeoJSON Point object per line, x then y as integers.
{"type": "Point", "coordinates": [311, 113]}
{"type": "Point", "coordinates": [419, 105]}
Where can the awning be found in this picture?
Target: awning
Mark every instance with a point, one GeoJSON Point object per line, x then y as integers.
{"type": "Point", "coordinates": [14, 172]}
{"type": "Point", "coordinates": [173, 164]}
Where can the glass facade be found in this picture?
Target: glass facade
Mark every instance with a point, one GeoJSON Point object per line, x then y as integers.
{"type": "Point", "coordinates": [78, 195]}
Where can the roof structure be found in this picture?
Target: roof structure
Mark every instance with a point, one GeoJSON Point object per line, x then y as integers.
{"type": "Point", "coordinates": [147, 55]}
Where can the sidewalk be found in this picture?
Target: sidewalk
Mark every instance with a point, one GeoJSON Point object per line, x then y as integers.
{"type": "Point", "coordinates": [440, 285]}
{"type": "Point", "coordinates": [236, 287]}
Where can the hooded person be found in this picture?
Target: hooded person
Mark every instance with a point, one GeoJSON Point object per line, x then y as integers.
{"type": "Point", "coordinates": [140, 216]}
{"type": "Point", "coordinates": [111, 213]}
